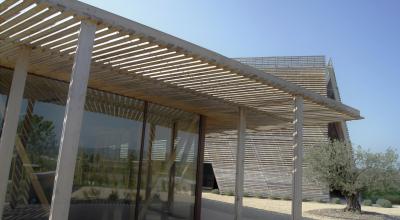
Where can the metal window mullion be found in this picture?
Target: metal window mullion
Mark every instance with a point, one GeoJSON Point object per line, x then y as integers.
{"type": "Point", "coordinates": [139, 179]}
{"type": "Point", "coordinates": [172, 170]}
{"type": "Point", "coordinates": [199, 167]}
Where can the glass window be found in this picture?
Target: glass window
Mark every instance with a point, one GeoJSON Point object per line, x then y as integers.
{"type": "Point", "coordinates": [5, 84]}
{"type": "Point", "coordinates": [106, 174]}
{"type": "Point", "coordinates": [36, 149]}
{"type": "Point", "coordinates": [185, 174]}
{"type": "Point", "coordinates": [107, 165]}
{"type": "Point", "coordinates": [169, 164]}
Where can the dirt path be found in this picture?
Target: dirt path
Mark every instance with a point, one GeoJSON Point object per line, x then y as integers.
{"type": "Point", "coordinates": [284, 207]}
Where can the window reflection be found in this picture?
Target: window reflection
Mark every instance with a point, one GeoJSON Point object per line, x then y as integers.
{"type": "Point", "coordinates": [171, 146]}
{"type": "Point", "coordinates": [5, 83]}
{"type": "Point", "coordinates": [106, 170]}
{"type": "Point", "coordinates": [107, 165]}
{"type": "Point", "coordinates": [185, 176]}
{"type": "Point", "coordinates": [36, 149]}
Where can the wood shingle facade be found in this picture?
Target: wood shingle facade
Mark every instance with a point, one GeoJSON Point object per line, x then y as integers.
{"type": "Point", "coordinates": [269, 152]}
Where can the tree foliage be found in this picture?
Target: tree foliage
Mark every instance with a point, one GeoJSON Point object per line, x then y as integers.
{"type": "Point", "coordinates": [351, 172]}
{"type": "Point", "coordinates": [41, 143]}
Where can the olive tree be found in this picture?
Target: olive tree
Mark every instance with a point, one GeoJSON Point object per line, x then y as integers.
{"type": "Point", "coordinates": [351, 172]}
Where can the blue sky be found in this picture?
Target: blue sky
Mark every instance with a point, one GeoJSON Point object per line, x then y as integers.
{"type": "Point", "coordinates": [361, 36]}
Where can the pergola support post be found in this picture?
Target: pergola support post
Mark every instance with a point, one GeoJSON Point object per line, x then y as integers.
{"type": "Point", "coordinates": [240, 151]}
{"type": "Point", "coordinates": [72, 124]}
{"type": "Point", "coordinates": [298, 122]}
{"type": "Point", "coordinates": [10, 125]}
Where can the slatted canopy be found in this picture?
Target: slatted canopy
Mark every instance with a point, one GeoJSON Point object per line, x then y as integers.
{"type": "Point", "coordinates": [134, 60]}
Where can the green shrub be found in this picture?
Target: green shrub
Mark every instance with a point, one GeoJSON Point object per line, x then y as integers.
{"type": "Point", "coordinates": [86, 194]}
{"type": "Point", "coordinates": [113, 195]}
{"type": "Point", "coordinates": [246, 194]}
{"type": "Point", "coordinates": [262, 196]}
{"type": "Point", "coordinates": [306, 200]}
{"type": "Point", "coordinates": [384, 203]}
{"type": "Point", "coordinates": [275, 197]}
{"type": "Point", "coordinates": [336, 201]}
{"type": "Point", "coordinates": [393, 196]}
{"type": "Point", "coordinates": [215, 191]}
{"type": "Point", "coordinates": [94, 192]}
{"type": "Point", "coordinates": [128, 197]}
{"type": "Point", "coordinates": [231, 193]}
{"type": "Point", "coordinates": [367, 202]}
{"type": "Point", "coordinates": [164, 185]}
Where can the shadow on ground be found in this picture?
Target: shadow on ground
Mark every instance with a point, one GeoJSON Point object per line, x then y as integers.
{"type": "Point", "coordinates": [224, 211]}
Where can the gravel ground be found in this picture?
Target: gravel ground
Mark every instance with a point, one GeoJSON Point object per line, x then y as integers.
{"type": "Point", "coordinates": [311, 210]}
{"type": "Point", "coordinates": [339, 214]}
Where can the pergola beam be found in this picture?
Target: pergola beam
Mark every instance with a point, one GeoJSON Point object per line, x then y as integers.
{"type": "Point", "coordinates": [72, 124]}
{"type": "Point", "coordinates": [191, 50]}
{"type": "Point", "coordinates": [10, 125]}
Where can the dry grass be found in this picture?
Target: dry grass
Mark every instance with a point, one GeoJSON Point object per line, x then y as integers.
{"type": "Point", "coordinates": [284, 207]}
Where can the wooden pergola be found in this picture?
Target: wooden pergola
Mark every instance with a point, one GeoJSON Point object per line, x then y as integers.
{"type": "Point", "coordinates": [52, 37]}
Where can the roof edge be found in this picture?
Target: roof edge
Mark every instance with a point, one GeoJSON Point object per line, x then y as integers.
{"type": "Point", "coordinates": [155, 36]}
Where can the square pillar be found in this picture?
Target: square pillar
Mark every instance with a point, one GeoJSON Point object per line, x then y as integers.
{"type": "Point", "coordinates": [72, 124]}
{"type": "Point", "coordinates": [240, 156]}
{"type": "Point", "coordinates": [298, 122]}
{"type": "Point", "coordinates": [10, 127]}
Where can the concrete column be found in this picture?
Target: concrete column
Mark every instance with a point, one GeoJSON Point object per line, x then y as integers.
{"type": "Point", "coordinates": [10, 125]}
{"type": "Point", "coordinates": [297, 158]}
{"type": "Point", "coordinates": [240, 155]}
{"type": "Point", "coordinates": [72, 124]}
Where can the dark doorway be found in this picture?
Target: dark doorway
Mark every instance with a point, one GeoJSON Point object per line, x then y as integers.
{"type": "Point", "coordinates": [209, 181]}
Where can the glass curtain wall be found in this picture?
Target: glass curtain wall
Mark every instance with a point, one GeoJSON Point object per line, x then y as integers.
{"type": "Point", "coordinates": [106, 169]}
{"type": "Point", "coordinates": [36, 149]}
{"type": "Point", "coordinates": [169, 164]}
{"type": "Point", "coordinates": [106, 179]}
{"type": "Point", "coordinates": [5, 83]}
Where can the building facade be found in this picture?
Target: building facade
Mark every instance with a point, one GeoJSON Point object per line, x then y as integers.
{"type": "Point", "coordinates": [269, 152]}
{"type": "Point", "coordinates": [105, 118]}
{"type": "Point", "coordinates": [106, 176]}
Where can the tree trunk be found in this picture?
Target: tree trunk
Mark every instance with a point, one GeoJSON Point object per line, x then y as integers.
{"type": "Point", "coordinates": [353, 205]}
